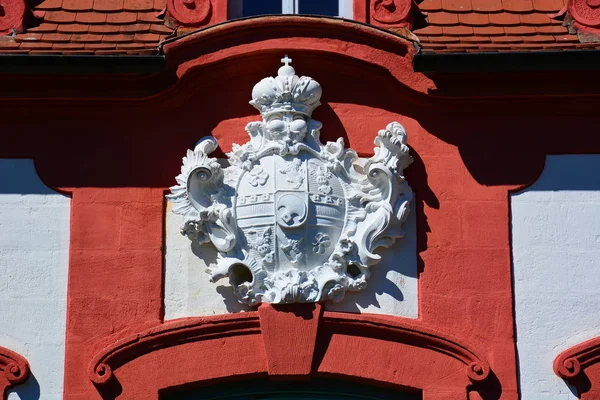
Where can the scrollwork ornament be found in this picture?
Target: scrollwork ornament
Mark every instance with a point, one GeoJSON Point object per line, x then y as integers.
{"type": "Point", "coordinates": [190, 12]}
{"type": "Point", "coordinates": [12, 15]}
{"type": "Point", "coordinates": [294, 219]}
{"type": "Point", "coordinates": [394, 12]}
{"type": "Point", "coordinates": [14, 370]}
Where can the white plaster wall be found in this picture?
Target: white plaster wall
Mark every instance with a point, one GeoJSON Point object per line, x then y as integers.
{"type": "Point", "coordinates": [556, 253]}
{"type": "Point", "coordinates": [34, 244]}
{"type": "Point", "coordinates": [392, 288]}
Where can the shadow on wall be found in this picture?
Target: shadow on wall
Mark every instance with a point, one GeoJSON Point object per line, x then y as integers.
{"type": "Point", "coordinates": [30, 390]}
{"type": "Point", "coordinates": [19, 176]}
{"type": "Point", "coordinates": [569, 172]}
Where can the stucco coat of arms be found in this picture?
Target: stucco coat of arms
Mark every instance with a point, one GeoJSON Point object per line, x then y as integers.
{"type": "Point", "coordinates": [293, 219]}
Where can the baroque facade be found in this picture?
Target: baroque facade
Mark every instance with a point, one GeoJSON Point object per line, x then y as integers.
{"type": "Point", "coordinates": [414, 213]}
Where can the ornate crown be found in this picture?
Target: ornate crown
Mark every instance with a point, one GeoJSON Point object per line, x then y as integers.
{"type": "Point", "coordinates": [287, 92]}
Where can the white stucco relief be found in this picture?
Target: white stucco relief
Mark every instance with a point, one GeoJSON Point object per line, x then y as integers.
{"type": "Point", "coordinates": [556, 256]}
{"type": "Point", "coordinates": [293, 219]}
{"type": "Point", "coordinates": [34, 247]}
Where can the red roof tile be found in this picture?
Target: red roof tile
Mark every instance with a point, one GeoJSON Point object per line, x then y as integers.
{"type": "Point", "coordinates": [68, 46]}
{"type": "Point", "coordinates": [91, 18]}
{"type": "Point", "coordinates": [548, 5]}
{"type": "Point", "coordinates": [56, 37]}
{"type": "Point", "coordinates": [147, 37]}
{"type": "Point", "coordinates": [108, 5]}
{"type": "Point", "coordinates": [504, 19]}
{"type": "Point", "coordinates": [476, 39]}
{"type": "Point", "coordinates": [520, 30]}
{"type": "Point", "coordinates": [494, 25]}
{"type": "Point", "coordinates": [518, 5]}
{"type": "Point", "coordinates": [5, 44]}
{"type": "Point", "coordinates": [474, 19]}
{"type": "Point", "coordinates": [87, 38]}
{"type": "Point", "coordinates": [44, 27]}
{"type": "Point", "coordinates": [535, 19]}
{"type": "Point", "coordinates": [28, 37]}
{"type": "Point", "coordinates": [72, 28]}
{"type": "Point", "coordinates": [539, 39]}
{"type": "Point", "coordinates": [443, 18]}
{"type": "Point", "coordinates": [119, 38]}
{"type": "Point", "coordinates": [161, 29]}
{"type": "Point", "coordinates": [459, 30]}
{"type": "Point", "coordinates": [431, 30]}
{"type": "Point", "coordinates": [60, 17]}
{"type": "Point", "coordinates": [457, 5]}
{"type": "Point", "coordinates": [487, 5]}
{"type": "Point", "coordinates": [77, 5]}
{"type": "Point", "coordinates": [36, 45]}
{"type": "Point", "coordinates": [49, 5]}
{"type": "Point", "coordinates": [121, 18]}
{"type": "Point", "coordinates": [506, 39]}
{"type": "Point", "coordinates": [134, 27]}
{"type": "Point", "coordinates": [104, 29]}
{"type": "Point", "coordinates": [488, 30]}
{"type": "Point", "coordinates": [138, 5]}
{"type": "Point", "coordinates": [147, 17]}
{"type": "Point", "coordinates": [551, 29]}
{"type": "Point", "coordinates": [431, 5]}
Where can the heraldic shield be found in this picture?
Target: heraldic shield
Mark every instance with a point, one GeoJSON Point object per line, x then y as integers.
{"type": "Point", "coordinates": [293, 219]}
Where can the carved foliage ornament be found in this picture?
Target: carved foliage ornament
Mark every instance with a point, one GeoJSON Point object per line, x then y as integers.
{"type": "Point", "coordinates": [293, 219]}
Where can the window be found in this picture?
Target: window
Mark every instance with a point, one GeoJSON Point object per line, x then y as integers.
{"type": "Point", "coordinates": [249, 8]}
{"type": "Point", "coordinates": [315, 389]}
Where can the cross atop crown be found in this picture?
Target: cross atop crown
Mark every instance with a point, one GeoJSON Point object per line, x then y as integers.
{"type": "Point", "coordinates": [286, 60]}
{"type": "Point", "coordinates": [287, 92]}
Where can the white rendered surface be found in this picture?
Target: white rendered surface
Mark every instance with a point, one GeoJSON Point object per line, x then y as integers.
{"type": "Point", "coordinates": [391, 290]}
{"type": "Point", "coordinates": [556, 253]}
{"type": "Point", "coordinates": [34, 244]}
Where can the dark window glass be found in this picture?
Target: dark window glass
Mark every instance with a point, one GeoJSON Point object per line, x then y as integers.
{"type": "Point", "coordinates": [319, 7]}
{"type": "Point", "coordinates": [261, 7]}
{"type": "Point", "coordinates": [315, 389]}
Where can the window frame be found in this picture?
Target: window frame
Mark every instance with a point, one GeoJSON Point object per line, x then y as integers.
{"type": "Point", "coordinates": [288, 7]}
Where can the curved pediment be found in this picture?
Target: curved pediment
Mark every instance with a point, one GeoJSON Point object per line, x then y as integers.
{"type": "Point", "coordinates": [204, 350]}
{"type": "Point", "coordinates": [296, 35]}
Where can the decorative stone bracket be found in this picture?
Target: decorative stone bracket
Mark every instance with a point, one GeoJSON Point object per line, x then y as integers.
{"type": "Point", "coordinates": [14, 369]}
{"type": "Point", "coordinates": [571, 364]}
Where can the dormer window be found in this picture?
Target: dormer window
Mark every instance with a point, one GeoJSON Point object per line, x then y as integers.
{"type": "Point", "coordinates": [250, 8]}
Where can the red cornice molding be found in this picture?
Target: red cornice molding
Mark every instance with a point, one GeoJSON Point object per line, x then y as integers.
{"type": "Point", "coordinates": [14, 369]}
{"type": "Point", "coordinates": [181, 332]}
{"type": "Point", "coordinates": [174, 333]}
{"type": "Point", "coordinates": [572, 362]}
{"type": "Point", "coordinates": [405, 331]}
